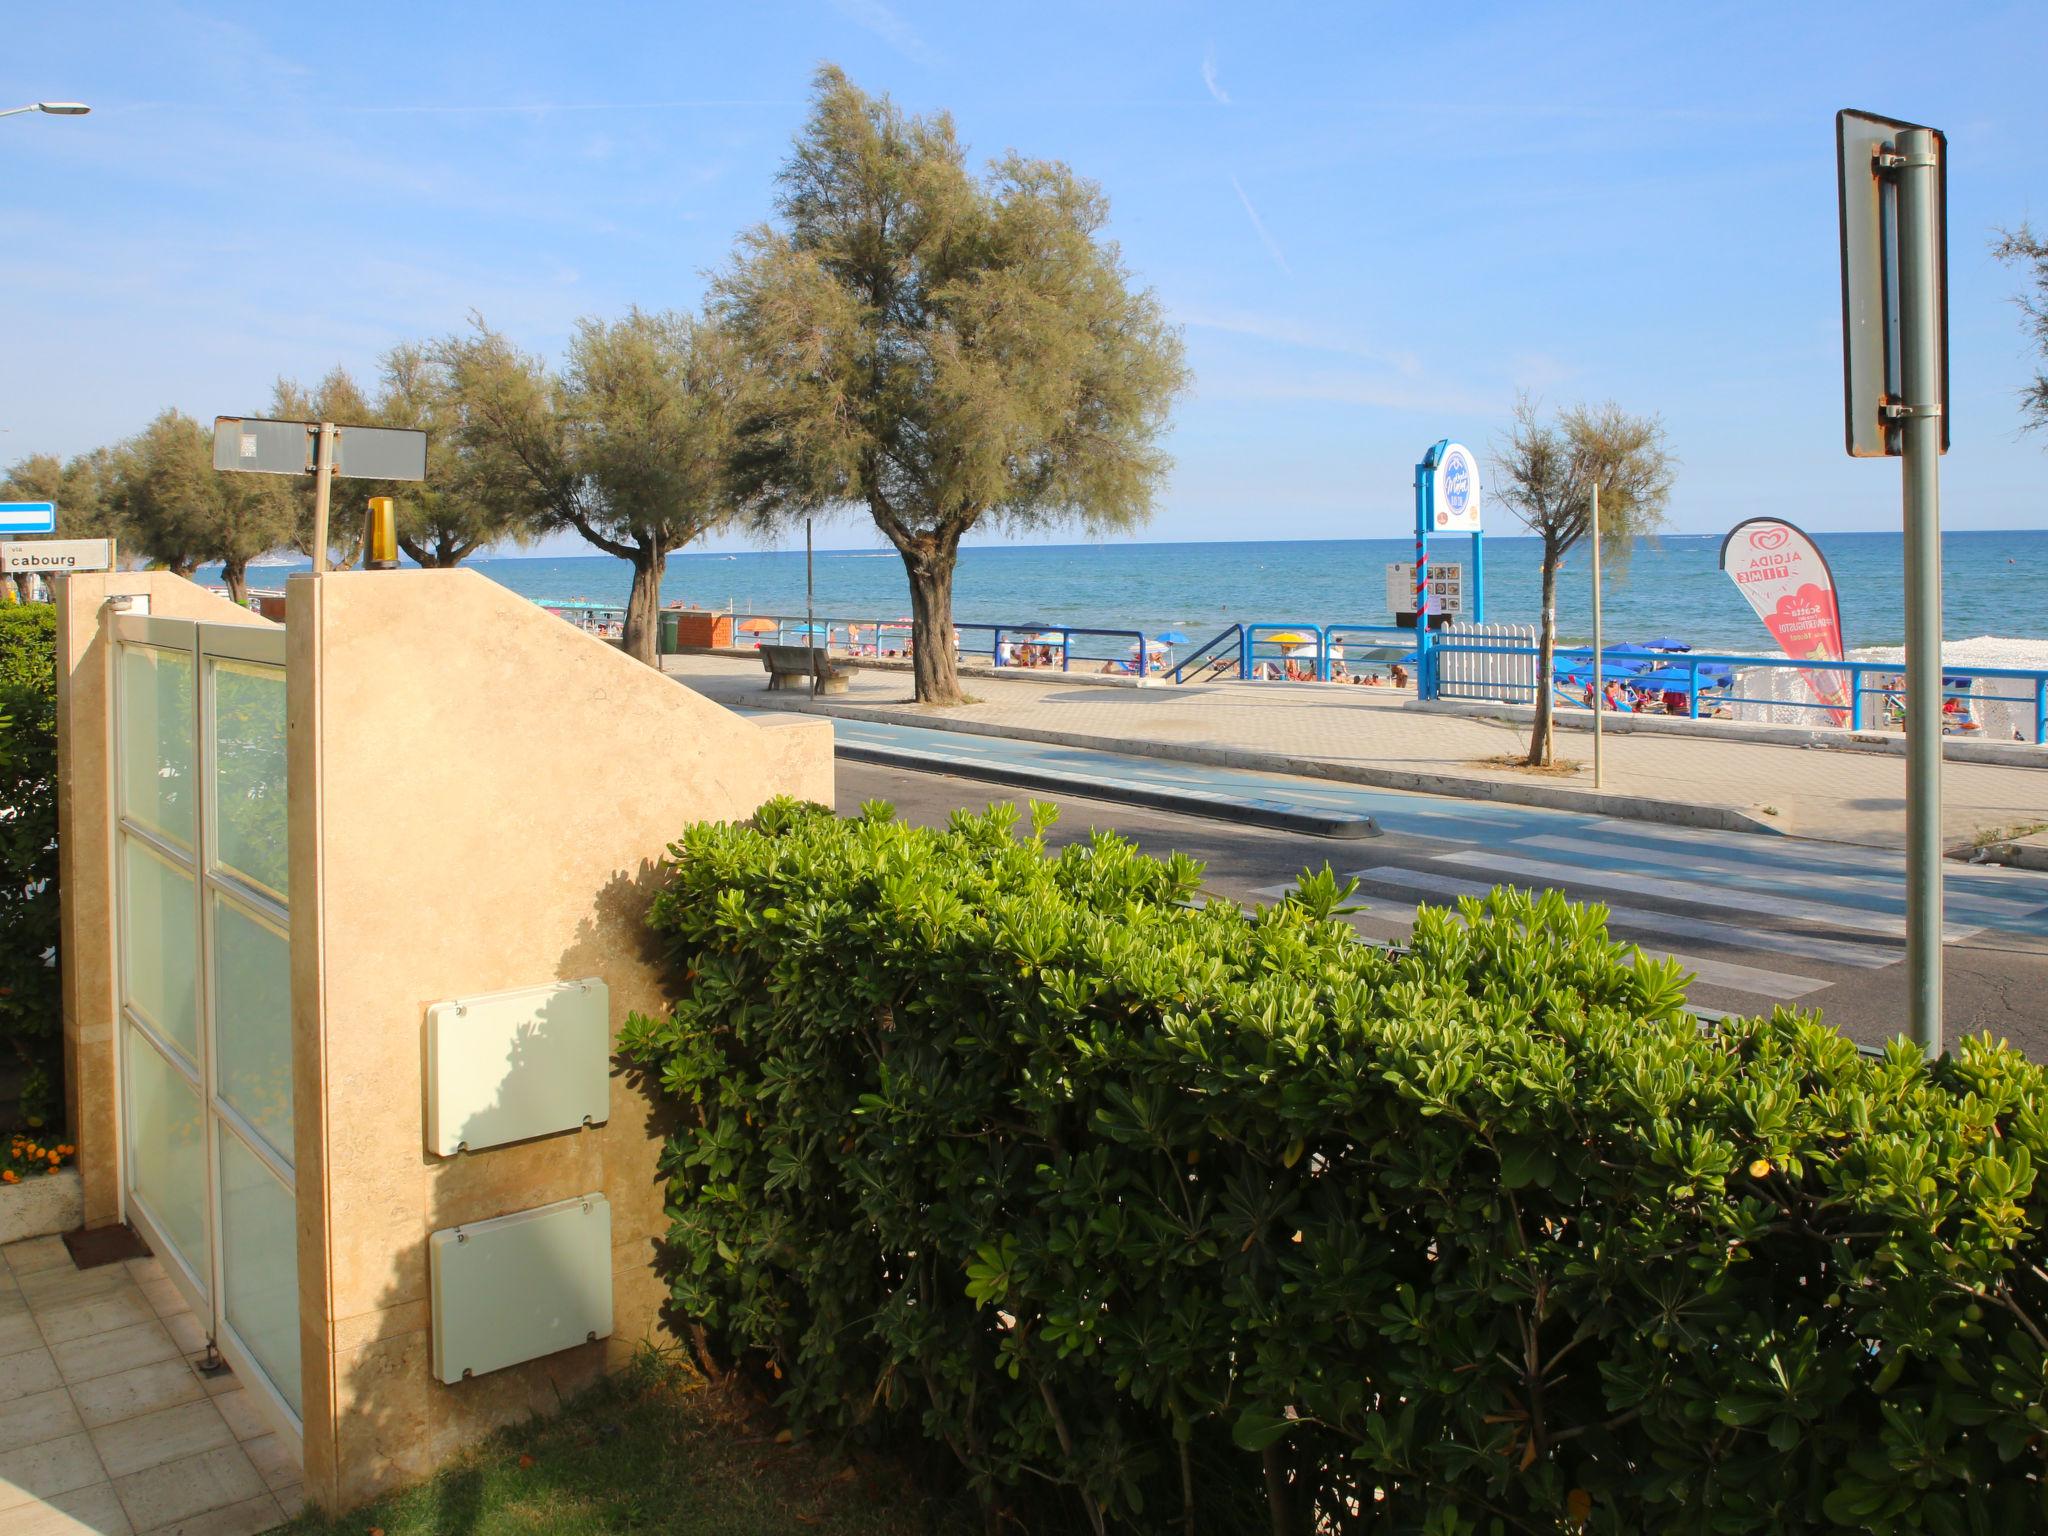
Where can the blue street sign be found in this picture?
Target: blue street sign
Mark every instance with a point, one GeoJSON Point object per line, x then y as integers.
{"type": "Point", "coordinates": [28, 517]}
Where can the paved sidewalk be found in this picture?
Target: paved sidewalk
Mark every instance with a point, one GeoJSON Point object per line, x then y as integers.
{"type": "Point", "coordinates": [106, 1426]}
{"type": "Point", "coordinates": [1336, 731]}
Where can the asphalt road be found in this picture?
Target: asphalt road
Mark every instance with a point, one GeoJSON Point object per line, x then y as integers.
{"type": "Point", "coordinates": [1760, 921]}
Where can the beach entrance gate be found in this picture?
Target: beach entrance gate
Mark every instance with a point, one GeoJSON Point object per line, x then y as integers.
{"type": "Point", "coordinates": [353, 909]}
{"type": "Point", "coordinates": [203, 967]}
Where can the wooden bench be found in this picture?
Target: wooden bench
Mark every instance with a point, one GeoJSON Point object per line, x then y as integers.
{"type": "Point", "coordinates": [793, 666]}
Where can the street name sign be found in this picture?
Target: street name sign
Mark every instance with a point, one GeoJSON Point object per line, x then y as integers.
{"type": "Point", "coordinates": [1873, 379]}
{"type": "Point", "coordinates": [28, 517]}
{"type": "Point", "coordinates": [56, 557]}
{"type": "Point", "coordinates": [253, 445]}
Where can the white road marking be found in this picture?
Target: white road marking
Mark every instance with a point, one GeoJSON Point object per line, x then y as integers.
{"type": "Point", "coordinates": [1835, 951]}
{"type": "Point", "coordinates": [1700, 895]}
{"type": "Point", "coordinates": [1848, 885]}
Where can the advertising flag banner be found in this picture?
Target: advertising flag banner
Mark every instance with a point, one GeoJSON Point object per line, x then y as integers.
{"type": "Point", "coordinates": [1787, 581]}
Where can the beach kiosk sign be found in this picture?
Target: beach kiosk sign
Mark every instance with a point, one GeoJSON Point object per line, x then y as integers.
{"type": "Point", "coordinates": [1448, 499]}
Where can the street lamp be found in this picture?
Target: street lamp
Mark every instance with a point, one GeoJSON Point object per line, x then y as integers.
{"type": "Point", "coordinates": [54, 108]}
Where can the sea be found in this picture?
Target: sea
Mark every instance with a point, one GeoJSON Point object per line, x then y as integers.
{"type": "Point", "coordinates": [1995, 584]}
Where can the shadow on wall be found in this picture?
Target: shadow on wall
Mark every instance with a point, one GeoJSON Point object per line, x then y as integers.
{"type": "Point", "coordinates": [402, 1423]}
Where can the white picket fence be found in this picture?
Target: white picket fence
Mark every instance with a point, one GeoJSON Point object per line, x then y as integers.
{"type": "Point", "coordinates": [1487, 674]}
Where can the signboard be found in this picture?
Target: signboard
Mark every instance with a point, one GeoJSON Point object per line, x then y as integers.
{"type": "Point", "coordinates": [254, 446]}
{"type": "Point", "coordinates": [1446, 589]}
{"type": "Point", "coordinates": [1872, 367]}
{"type": "Point", "coordinates": [1454, 492]}
{"type": "Point", "coordinates": [28, 517]}
{"type": "Point", "coordinates": [55, 557]}
{"type": "Point", "coordinates": [1787, 581]}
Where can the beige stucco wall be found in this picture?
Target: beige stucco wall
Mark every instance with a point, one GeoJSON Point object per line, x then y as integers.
{"type": "Point", "coordinates": [85, 829]}
{"type": "Point", "coordinates": [480, 797]}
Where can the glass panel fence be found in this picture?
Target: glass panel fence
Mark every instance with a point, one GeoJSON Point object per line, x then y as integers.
{"type": "Point", "coordinates": [252, 1020]}
{"type": "Point", "coordinates": [248, 768]}
{"type": "Point", "coordinates": [260, 1264]}
{"type": "Point", "coordinates": [160, 946]}
{"type": "Point", "coordinates": [167, 1151]}
{"type": "Point", "coordinates": [156, 740]}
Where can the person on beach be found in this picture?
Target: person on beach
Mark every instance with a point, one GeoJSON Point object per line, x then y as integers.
{"type": "Point", "coordinates": [1399, 675]}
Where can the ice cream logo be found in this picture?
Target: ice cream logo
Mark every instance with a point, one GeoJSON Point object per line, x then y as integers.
{"type": "Point", "coordinates": [1768, 538]}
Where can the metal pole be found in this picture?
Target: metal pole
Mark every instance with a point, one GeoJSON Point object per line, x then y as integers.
{"type": "Point", "coordinates": [1421, 575]}
{"type": "Point", "coordinates": [810, 607]}
{"type": "Point", "coordinates": [1599, 689]}
{"type": "Point", "coordinates": [1920, 460]}
{"type": "Point", "coordinates": [323, 486]}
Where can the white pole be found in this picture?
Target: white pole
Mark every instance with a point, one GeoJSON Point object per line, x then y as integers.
{"type": "Point", "coordinates": [1920, 464]}
{"type": "Point", "coordinates": [1599, 689]}
{"type": "Point", "coordinates": [323, 485]}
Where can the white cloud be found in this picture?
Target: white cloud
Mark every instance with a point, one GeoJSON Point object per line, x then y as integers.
{"type": "Point", "coordinates": [1284, 332]}
{"type": "Point", "coordinates": [1265, 236]}
{"type": "Point", "coordinates": [1209, 78]}
{"type": "Point", "coordinates": [889, 27]}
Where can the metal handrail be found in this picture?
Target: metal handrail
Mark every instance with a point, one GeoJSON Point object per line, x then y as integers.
{"type": "Point", "coordinates": [1235, 634]}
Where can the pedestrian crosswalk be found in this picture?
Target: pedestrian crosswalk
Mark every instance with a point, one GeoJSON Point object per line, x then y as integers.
{"type": "Point", "coordinates": [1798, 924]}
{"type": "Point", "coordinates": [1754, 918]}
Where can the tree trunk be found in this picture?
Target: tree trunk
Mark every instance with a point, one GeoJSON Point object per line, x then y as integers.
{"type": "Point", "coordinates": [932, 659]}
{"type": "Point", "coordinates": [643, 607]}
{"type": "Point", "coordinates": [1546, 649]}
{"type": "Point", "coordinates": [235, 574]}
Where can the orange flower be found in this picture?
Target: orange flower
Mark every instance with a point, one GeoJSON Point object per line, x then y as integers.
{"type": "Point", "coordinates": [10, 1175]}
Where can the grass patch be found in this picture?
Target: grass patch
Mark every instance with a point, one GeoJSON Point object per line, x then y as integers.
{"type": "Point", "coordinates": [2013, 833]}
{"type": "Point", "coordinates": [655, 1451]}
{"type": "Point", "coordinates": [1560, 768]}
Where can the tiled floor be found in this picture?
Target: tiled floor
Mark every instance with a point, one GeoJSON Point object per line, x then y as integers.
{"type": "Point", "coordinates": [106, 1427]}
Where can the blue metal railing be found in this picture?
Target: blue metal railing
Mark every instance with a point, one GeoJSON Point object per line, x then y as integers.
{"type": "Point", "coordinates": [1064, 645]}
{"type": "Point", "coordinates": [1890, 687]}
{"type": "Point", "coordinates": [1225, 649]}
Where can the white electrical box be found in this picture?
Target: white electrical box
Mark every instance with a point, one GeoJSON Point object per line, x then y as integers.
{"type": "Point", "coordinates": [506, 1066]}
{"type": "Point", "coordinates": [518, 1287]}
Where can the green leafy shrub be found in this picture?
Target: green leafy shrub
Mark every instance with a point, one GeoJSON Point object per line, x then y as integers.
{"type": "Point", "coordinates": [30, 1003]}
{"type": "Point", "coordinates": [1222, 1222]}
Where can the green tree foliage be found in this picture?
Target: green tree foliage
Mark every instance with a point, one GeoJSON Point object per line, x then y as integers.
{"type": "Point", "coordinates": [628, 445]}
{"type": "Point", "coordinates": [950, 353]}
{"type": "Point", "coordinates": [2023, 248]}
{"type": "Point", "coordinates": [181, 512]}
{"type": "Point", "coordinates": [30, 1002]}
{"type": "Point", "coordinates": [450, 515]}
{"type": "Point", "coordinates": [339, 399]}
{"type": "Point", "coordinates": [1545, 472]}
{"type": "Point", "coordinates": [79, 488]}
{"type": "Point", "coordinates": [1216, 1221]}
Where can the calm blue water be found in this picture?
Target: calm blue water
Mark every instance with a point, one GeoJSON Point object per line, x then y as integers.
{"type": "Point", "coordinates": [1996, 584]}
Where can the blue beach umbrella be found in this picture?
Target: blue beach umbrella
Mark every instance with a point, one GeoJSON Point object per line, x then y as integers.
{"type": "Point", "coordinates": [1662, 677]}
{"type": "Point", "coordinates": [1171, 637]}
{"type": "Point", "coordinates": [1665, 643]}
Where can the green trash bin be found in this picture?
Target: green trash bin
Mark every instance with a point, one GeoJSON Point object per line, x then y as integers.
{"type": "Point", "coordinates": [671, 621]}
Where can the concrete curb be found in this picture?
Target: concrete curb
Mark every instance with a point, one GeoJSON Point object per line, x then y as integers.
{"type": "Point", "coordinates": [1551, 797]}
{"type": "Point", "coordinates": [1258, 813]}
{"type": "Point", "coordinates": [2023, 853]}
{"type": "Point", "coordinates": [2006, 754]}
{"type": "Point", "coordinates": [42, 1205]}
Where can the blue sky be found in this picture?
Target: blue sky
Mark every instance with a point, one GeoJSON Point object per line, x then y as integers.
{"type": "Point", "coordinates": [1375, 225]}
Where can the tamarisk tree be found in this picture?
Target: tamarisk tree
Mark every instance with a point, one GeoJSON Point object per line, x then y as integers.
{"type": "Point", "coordinates": [628, 444]}
{"type": "Point", "coordinates": [950, 352]}
{"type": "Point", "coordinates": [1545, 473]}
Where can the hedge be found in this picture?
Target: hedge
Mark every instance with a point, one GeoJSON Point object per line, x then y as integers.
{"type": "Point", "coordinates": [1164, 1217]}
{"type": "Point", "coordinates": [30, 1004]}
